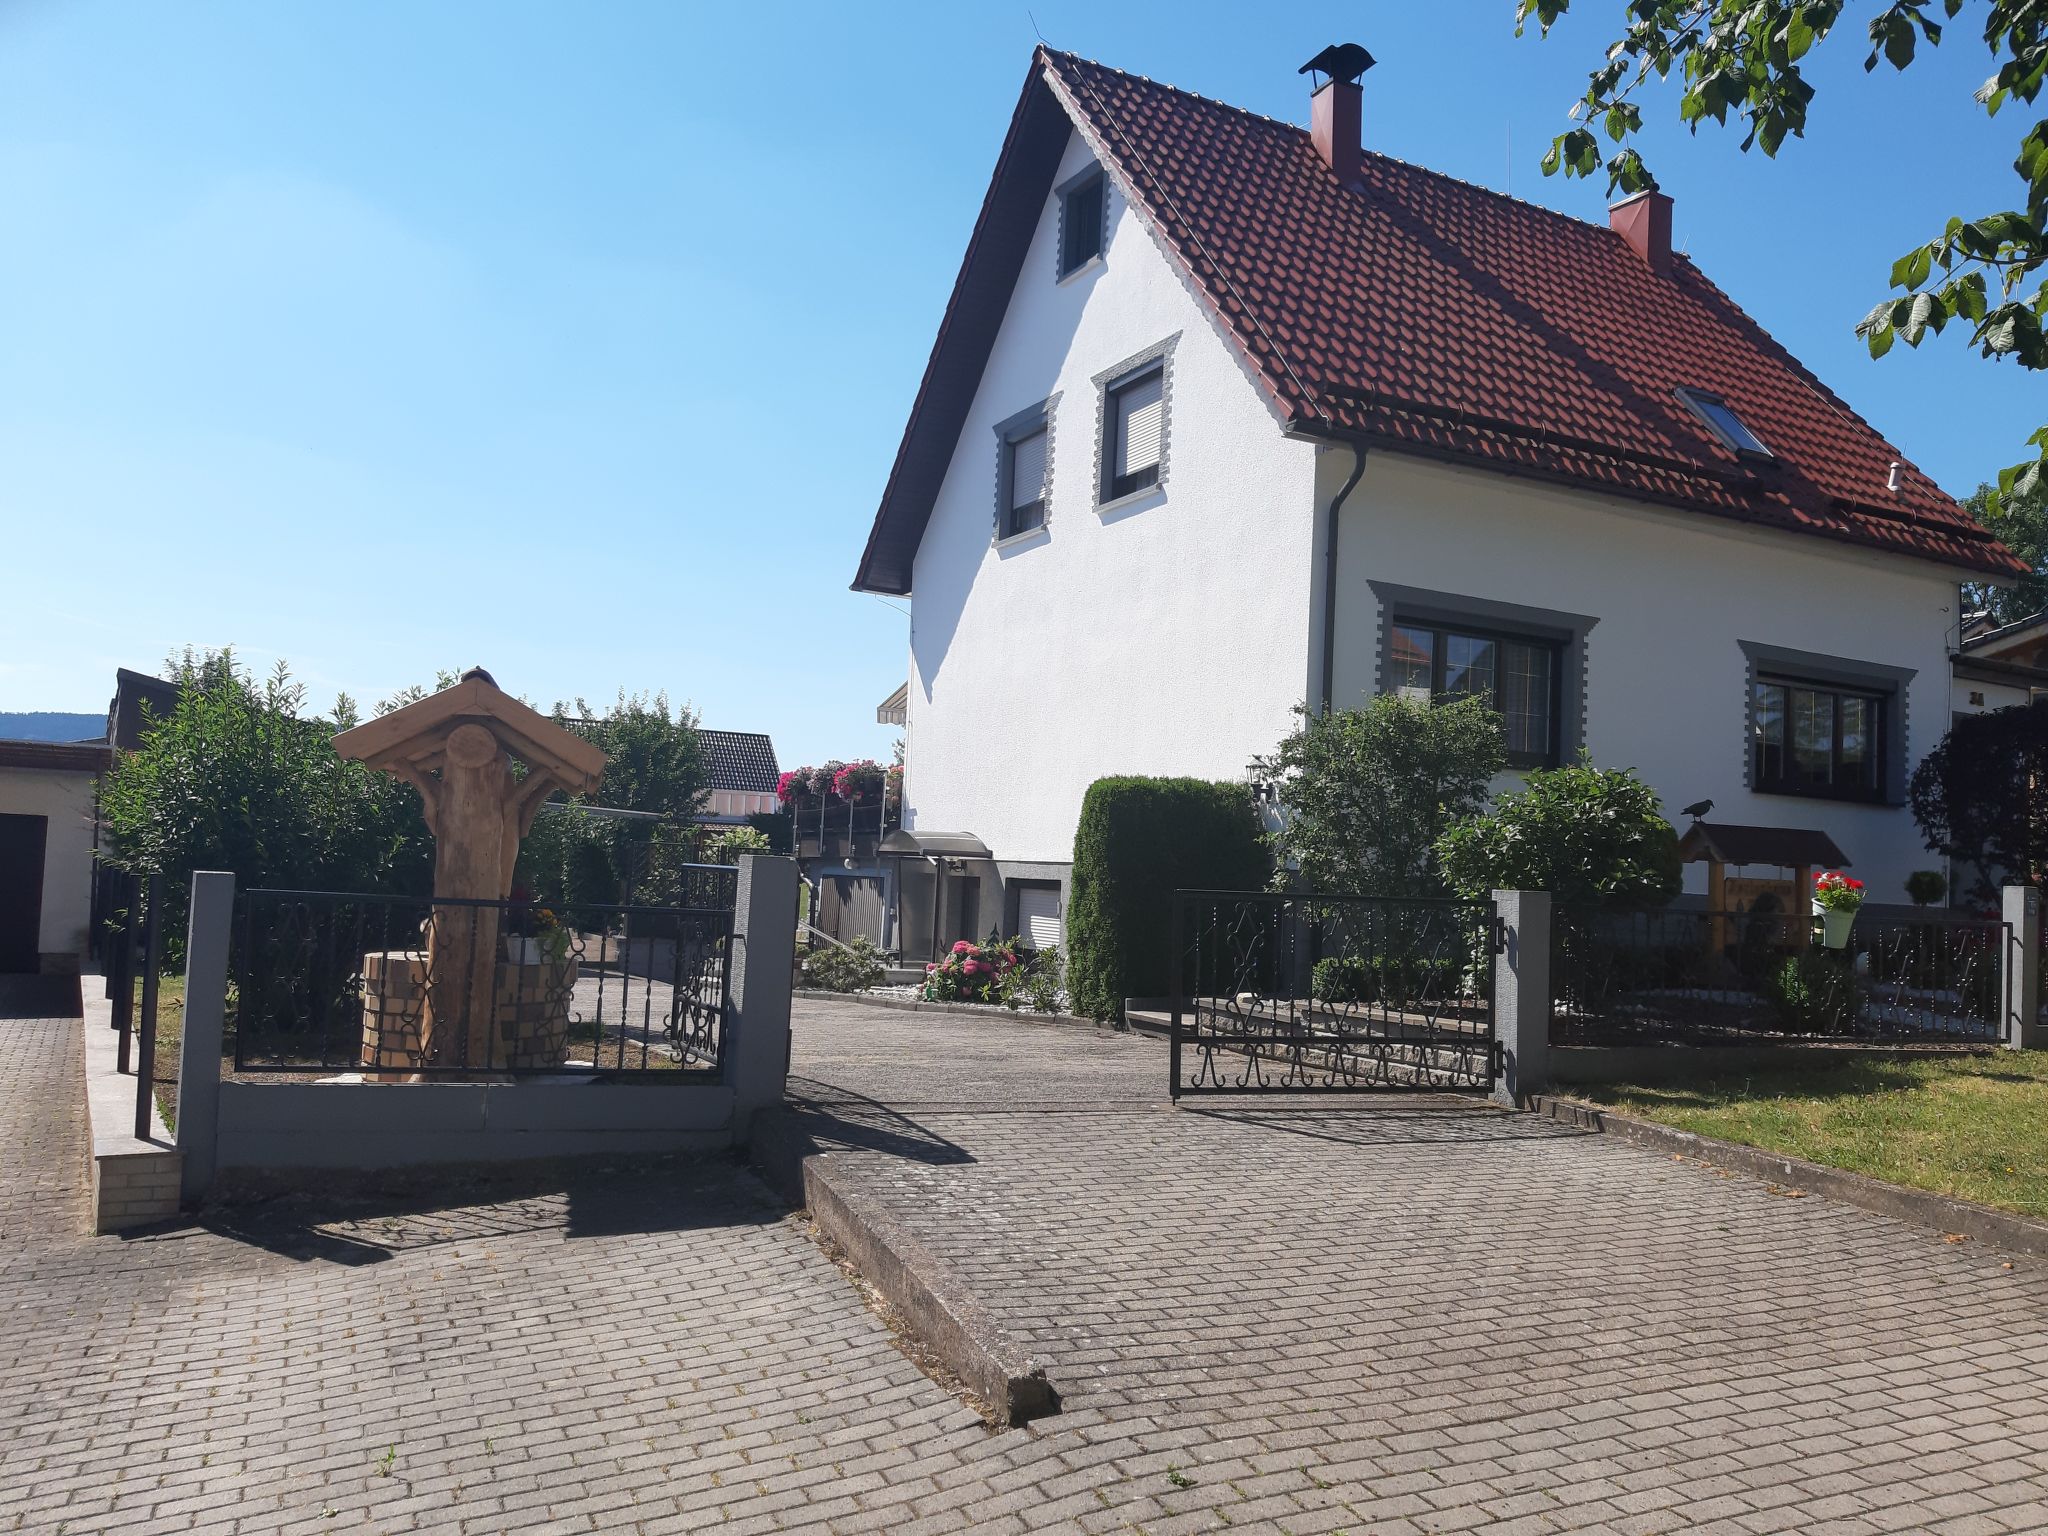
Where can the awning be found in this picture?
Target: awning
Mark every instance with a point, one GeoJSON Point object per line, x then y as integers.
{"type": "Point", "coordinates": [1786, 847]}
{"type": "Point", "coordinates": [895, 709]}
{"type": "Point", "coordinates": [936, 845]}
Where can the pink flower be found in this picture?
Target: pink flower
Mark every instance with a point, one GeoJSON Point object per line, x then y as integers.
{"type": "Point", "coordinates": [962, 947]}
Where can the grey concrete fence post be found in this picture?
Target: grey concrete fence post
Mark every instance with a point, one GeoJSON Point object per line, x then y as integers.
{"type": "Point", "coordinates": [1521, 995]}
{"type": "Point", "coordinates": [2022, 974]}
{"type": "Point", "coordinates": [756, 1048]}
{"type": "Point", "coordinates": [207, 936]}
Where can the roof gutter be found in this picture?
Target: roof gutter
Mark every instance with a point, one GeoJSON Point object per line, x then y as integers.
{"type": "Point", "coordinates": [1331, 521]}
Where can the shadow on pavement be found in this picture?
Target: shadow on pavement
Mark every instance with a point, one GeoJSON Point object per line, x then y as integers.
{"type": "Point", "coordinates": [39, 997]}
{"type": "Point", "coordinates": [367, 1218]}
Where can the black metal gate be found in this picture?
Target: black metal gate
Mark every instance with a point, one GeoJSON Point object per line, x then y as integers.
{"type": "Point", "coordinates": [1332, 994]}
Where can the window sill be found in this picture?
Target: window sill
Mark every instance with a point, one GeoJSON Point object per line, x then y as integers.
{"type": "Point", "coordinates": [1825, 796]}
{"type": "Point", "coordinates": [1039, 535]}
{"type": "Point", "coordinates": [1092, 265]}
{"type": "Point", "coordinates": [1127, 502]}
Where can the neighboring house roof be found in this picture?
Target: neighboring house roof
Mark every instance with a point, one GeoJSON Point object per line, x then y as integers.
{"type": "Point", "coordinates": [125, 713]}
{"type": "Point", "coordinates": [2022, 635]}
{"type": "Point", "coordinates": [895, 709]}
{"type": "Point", "coordinates": [1424, 315]}
{"type": "Point", "coordinates": [57, 756]}
{"type": "Point", "coordinates": [742, 761]}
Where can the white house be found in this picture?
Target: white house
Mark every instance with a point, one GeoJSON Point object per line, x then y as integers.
{"type": "Point", "coordinates": [48, 806]}
{"type": "Point", "coordinates": [1227, 417]}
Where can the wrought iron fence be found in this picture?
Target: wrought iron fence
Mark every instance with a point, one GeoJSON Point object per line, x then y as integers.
{"type": "Point", "coordinates": [1331, 993]}
{"type": "Point", "coordinates": [402, 987]}
{"type": "Point", "coordinates": [127, 944]}
{"type": "Point", "coordinates": [1681, 976]}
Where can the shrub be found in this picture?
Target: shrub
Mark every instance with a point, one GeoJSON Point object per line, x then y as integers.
{"type": "Point", "coordinates": [1039, 983]}
{"type": "Point", "coordinates": [727, 847]}
{"type": "Point", "coordinates": [1977, 796]}
{"type": "Point", "coordinates": [973, 973]}
{"type": "Point", "coordinates": [1925, 887]}
{"type": "Point", "coordinates": [856, 968]}
{"type": "Point", "coordinates": [1341, 979]}
{"type": "Point", "coordinates": [1812, 995]}
{"type": "Point", "coordinates": [1139, 840]}
{"type": "Point", "coordinates": [1591, 837]}
{"type": "Point", "coordinates": [1367, 792]}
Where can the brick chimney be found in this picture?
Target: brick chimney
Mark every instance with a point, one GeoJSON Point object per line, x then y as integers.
{"type": "Point", "coordinates": [1335, 112]}
{"type": "Point", "coordinates": [1644, 221]}
{"type": "Point", "coordinates": [1335, 121]}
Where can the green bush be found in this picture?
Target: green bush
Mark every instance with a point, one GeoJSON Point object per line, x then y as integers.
{"type": "Point", "coordinates": [1140, 840]}
{"type": "Point", "coordinates": [1342, 979]}
{"type": "Point", "coordinates": [1039, 983]}
{"type": "Point", "coordinates": [1591, 837]}
{"type": "Point", "coordinates": [1368, 791]}
{"type": "Point", "coordinates": [856, 968]}
{"type": "Point", "coordinates": [1814, 995]}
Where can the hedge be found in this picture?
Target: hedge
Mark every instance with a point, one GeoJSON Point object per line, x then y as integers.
{"type": "Point", "coordinates": [1140, 840]}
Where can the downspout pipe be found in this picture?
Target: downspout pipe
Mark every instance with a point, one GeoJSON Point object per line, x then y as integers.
{"type": "Point", "coordinates": [1329, 678]}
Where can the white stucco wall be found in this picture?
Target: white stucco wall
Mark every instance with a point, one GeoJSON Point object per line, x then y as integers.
{"type": "Point", "coordinates": [67, 800]}
{"type": "Point", "coordinates": [1171, 637]}
{"type": "Point", "coordinates": [1980, 696]}
{"type": "Point", "coordinates": [1674, 592]}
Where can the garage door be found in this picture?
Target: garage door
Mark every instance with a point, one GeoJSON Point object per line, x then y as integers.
{"type": "Point", "coordinates": [21, 892]}
{"type": "Point", "coordinates": [1038, 914]}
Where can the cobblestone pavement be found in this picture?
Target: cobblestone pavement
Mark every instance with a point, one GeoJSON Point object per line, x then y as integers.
{"type": "Point", "coordinates": [1387, 1319]}
{"type": "Point", "coordinates": [1412, 1316]}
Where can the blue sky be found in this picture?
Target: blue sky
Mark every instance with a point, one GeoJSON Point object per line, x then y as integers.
{"type": "Point", "coordinates": [577, 340]}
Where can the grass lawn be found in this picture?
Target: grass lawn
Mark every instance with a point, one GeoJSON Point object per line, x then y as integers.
{"type": "Point", "coordinates": [170, 1030]}
{"type": "Point", "coordinates": [1974, 1126]}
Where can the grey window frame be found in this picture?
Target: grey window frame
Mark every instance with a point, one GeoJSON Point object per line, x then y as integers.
{"type": "Point", "coordinates": [1765, 663]}
{"type": "Point", "coordinates": [1490, 618]}
{"type": "Point", "coordinates": [1697, 401]}
{"type": "Point", "coordinates": [1010, 431]}
{"type": "Point", "coordinates": [1065, 192]}
{"type": "Point", "coordinates": [1107, 382]}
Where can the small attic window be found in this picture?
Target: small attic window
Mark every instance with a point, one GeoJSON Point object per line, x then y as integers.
{"type": "Point", "coordinates": [1720, 419]}
{"type": "Point", "coordinates": [1083, 213]}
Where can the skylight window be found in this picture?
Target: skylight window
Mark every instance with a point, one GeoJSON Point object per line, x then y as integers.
{"type": "Point", "coordinates": [1721, 420]}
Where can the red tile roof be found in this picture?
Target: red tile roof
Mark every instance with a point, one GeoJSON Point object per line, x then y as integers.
{"type": "Point", "coordinates": [1426, 315]}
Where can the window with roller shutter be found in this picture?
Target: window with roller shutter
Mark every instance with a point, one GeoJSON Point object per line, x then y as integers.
{"type": "Point", "coordinates": [1038, 913]}
{"type": "Point", "coordinates": [1136, 406]}
{"type": "Point", "coordinates": [1024, 470]}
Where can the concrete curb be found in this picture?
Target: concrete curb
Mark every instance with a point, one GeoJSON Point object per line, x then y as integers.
{"type": "Point", "coordinates": [932, 1300]}
{"type": "Point", "coordinates": [986, 1011]}
{"type": "Point", "coordinates": [1943, 1213]}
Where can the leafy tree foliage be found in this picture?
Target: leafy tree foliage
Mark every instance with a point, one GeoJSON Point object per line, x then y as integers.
{"type": "Point", "coordinates": [1981, 796]}
{"type": "Point", "coordinates": [2021, 523]}
{"type": "Point", "coordinates": [656, 766]}
{"type": "Point", "coordinates": [239, 777]}
{"type": "Point", "coordinates": [1746, 58]}
{"type": "Point", "coordinates": [1591, 837]}
{"type": "Point", "coordinates": [1366, 793]}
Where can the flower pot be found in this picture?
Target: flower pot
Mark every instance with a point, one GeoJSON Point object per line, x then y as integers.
{"type": "Point", "coordinates": [1835, 925]}
{"type": "Point", "coordinates": [521, 950]}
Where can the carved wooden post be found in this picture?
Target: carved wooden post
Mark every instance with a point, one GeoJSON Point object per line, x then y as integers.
{"type": "Point", "coordinates": [456, 748]}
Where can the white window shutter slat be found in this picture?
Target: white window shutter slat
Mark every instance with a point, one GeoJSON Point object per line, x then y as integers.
{"type": "Point", "coordinates": [1027, 470]}
{"type": "Point", "coordinates": [1141, 413]}
{"type": "Point", "coordinates": [1038, 915]}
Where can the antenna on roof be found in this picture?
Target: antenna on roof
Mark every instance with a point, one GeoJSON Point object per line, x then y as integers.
{"type": "Point", "coordinates": [1034, 26]}
{"type": "Point", "coordinates": [1340, 61]}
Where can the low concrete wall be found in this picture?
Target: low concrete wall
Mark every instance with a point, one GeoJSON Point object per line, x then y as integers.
{"type": "Point", "coordinates": [394, 1125]}
{"type": "Point", "coordinates": [133, 1181]}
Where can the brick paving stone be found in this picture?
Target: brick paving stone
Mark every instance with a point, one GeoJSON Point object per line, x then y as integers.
{"type": "Point", "coordinates": [1324, 1316]}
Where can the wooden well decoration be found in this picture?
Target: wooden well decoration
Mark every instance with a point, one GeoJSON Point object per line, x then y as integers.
{"type": "Point", "coordinates": [457, 748]}
{"type": "Point", "coordinates": [1793, 852]}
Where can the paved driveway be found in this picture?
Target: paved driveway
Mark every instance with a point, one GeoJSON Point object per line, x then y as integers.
{"type": "Point", "coordinates": [1383, 1319]}
{"type": "Point", "coordinates": [1416, 1316]}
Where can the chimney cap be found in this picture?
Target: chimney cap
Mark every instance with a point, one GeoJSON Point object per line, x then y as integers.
{"type": "Point", "coordinates": [1340, 61]}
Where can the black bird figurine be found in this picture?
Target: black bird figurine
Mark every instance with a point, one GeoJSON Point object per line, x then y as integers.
{"type": "Point", "coordinates": [1340, 61]}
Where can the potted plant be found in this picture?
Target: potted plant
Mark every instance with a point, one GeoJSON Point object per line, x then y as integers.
{"type": "Point", "coordinates": [1836, 899]}
{"type": "Point", "coordinates": [534, 935]}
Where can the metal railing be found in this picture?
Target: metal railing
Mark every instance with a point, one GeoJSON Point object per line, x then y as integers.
{"type": "Point", "coordinates": [1699, 977]}
{"type": "Point", "coordinates": [1316, 993]}
{"type": "Point", "coordinates": [128, 945]}
{"type": "Point", "coordinates": [405, 987]}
